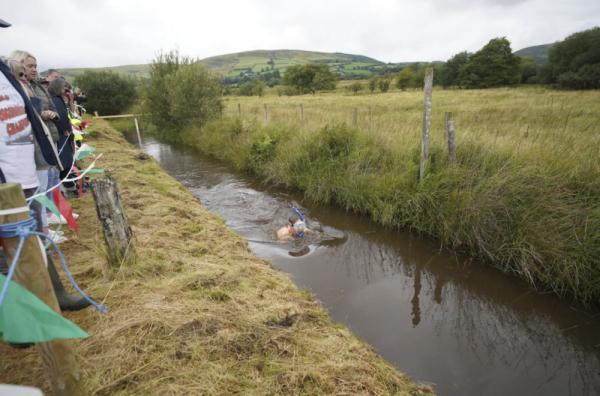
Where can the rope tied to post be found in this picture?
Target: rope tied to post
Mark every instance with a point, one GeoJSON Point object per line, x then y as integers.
{"type": "Point", "coordinates": [24, 229]}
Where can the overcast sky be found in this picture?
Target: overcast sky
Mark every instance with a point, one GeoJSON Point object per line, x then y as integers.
{"type": "Point", "coordinates": [70, 33]}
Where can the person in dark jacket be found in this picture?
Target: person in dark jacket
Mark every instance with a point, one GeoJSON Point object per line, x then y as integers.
{"type": "Point", "coordinates": [65, 144]}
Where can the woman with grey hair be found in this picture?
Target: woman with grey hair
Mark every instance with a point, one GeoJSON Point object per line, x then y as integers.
{"type": "Point", "coordinates": [48, 171]}
{"type": "Point", "coordinates": [18, 70]}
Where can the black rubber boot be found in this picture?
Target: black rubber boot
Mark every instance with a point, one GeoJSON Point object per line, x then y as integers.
{"type": "Point", "coordinates": [3, 264]}
{"type": "Point", "coordinates": [66, 301]}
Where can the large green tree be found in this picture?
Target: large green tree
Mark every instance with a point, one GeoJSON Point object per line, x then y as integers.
{"type": "Point", "coordinates": [194, 95]}
{"type": "Point", "coordinates": [107, 92]}
{"type": "Point", "coordinates": [493, 66]}
{"type": "Point", "coordinates": [454, 70]}
{"type": "Point", "coordinates": [180, 92]}
{"type": "Point", "coordinates": [575, 62]}
{"type": "Point", "coordinates": [309, 78]}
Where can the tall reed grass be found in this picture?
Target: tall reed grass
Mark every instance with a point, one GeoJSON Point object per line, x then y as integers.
{"type": "Point", "coordinates": [524, 195]}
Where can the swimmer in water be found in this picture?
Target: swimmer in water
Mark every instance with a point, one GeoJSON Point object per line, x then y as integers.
{"type": "Point", "coordinates": [295, 229]}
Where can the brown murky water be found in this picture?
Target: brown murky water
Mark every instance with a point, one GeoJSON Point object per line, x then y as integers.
{"type": "Point", "coordinates": [464, 328]}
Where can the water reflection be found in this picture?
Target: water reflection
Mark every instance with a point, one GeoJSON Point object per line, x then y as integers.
{"type": "Point", "coordinates": [467, 328]}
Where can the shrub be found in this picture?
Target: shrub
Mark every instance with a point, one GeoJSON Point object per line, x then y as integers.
{"type": "Point", "coordinates": [181, 92]}
{"type": "Point", "coordinates": [194, 96]}
{"type": "Point", "coordinates": [355, 87]}
{"type": "Point", "coordinates": [107, 92]}
{"type": "Point", "coordinates": [404, 78]}
{"type": "Point", "coordinates": [252, 88]}
{"type": "Point", "coordinates": [384, 84]}
{"type": "Point", "coordinates": [309, 78]}
{"type": "Point", "coordinates": [373, 82]}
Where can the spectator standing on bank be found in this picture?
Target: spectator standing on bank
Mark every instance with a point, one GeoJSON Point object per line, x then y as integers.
{"type": "Point", "coordinates": [52, 75]}
{"type": "Point", "coordinates": [58, 91]}
{"type": "Point", "coordinates": [49, 172]}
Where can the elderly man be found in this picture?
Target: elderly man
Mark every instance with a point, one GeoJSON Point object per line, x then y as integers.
{"type": "Point", "coordinates": [52, 75]}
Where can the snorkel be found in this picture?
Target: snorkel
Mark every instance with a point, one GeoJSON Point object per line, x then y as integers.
{"type": "Point", "coordinates": [300, 227]}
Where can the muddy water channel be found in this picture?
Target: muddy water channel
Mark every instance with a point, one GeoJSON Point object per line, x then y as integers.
{"type": "Point", "coordinates": [458, 325]}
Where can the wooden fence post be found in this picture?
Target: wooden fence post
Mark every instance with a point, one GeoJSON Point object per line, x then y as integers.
{"type": "Point", "coordinates": [451, 134]}
{"type": "Point", "coordinates": [427, 89]}
{"type": "Point", "coordinates": [301, 113]}
{"type": "Point", "coordinates": [266, 114]}
{"type": "Point", "coordinates": [240, 110]}
{"type": "Point", "coordinates": [117, 232]}
{"type": "Point", "coordinates": [137, 130]}
{"type": "Point", "coordinates": [31, 273]}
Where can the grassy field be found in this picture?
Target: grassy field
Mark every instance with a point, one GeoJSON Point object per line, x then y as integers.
{"type": "Point", "coordinates": [524, 196]}
{"type": "Point", "coordinates": [197, 313]}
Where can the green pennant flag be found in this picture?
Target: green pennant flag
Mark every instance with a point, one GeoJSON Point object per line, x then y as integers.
{"type": "Point", "coordinates": [84, 152]}
{"type": "Point", "coordinates": [93, 170]}
{"type": "Point", "coordinates": [25, 318]}
{"type": "Point", "coordinates": [48, 203]}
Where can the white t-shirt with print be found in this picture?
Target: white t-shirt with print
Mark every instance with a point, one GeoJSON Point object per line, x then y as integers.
{"type": "Point", "coordinates": [16, 138]}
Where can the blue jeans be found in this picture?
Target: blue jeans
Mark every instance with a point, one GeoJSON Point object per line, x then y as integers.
{"type": "Point", "coordinates": [53, 179]}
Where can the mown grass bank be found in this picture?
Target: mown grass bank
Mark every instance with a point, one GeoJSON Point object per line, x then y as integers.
{"type": "Point", "coordinates": [197, 313]}
{"type": "Point", "coordinates": [524, 196]}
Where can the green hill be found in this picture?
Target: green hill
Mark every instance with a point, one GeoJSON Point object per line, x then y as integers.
{"type": "Point", "coordinates": [539, 53]}
{"type": "Point", "coordinates": [248, 64]}
{"type": "Point", "coordinates": [130, 70]}
{"type": "Point", "coordinates": [243, 65]}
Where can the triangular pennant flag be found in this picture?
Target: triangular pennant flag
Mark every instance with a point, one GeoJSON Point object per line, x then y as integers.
{"type": "Point", "coordinates": [84, 151]}
{"type": "Point", "coordinates": [49, 204]}
{"type": "Point", "coordinates": [25, 318]}
{"type": "Point", "coordinates": [64, 208]}
{"type": "Point", "coordinates": [99, 170]}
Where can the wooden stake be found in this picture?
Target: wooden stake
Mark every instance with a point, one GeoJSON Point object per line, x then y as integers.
{"type": "Point", "coordinates": [117, 232]}
{"type": "Point", "coordinates": [137, 130]}
{"type": "Point", "coordinates": [240, 110]}
{"type": "Point", "coordinates": [266, 114]}
{"type": "Point", "coordinates": [301, 113]}
{"type": "Point", "coordinates": [450, 134]}
{"type": "Point", "coordinates": [31, 273]}
{"type": "Point", "coordinates": [355, 116]}
{"type": "Point", "coordinates": [427, 89]}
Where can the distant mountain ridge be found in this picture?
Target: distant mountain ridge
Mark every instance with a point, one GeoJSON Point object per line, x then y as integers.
{"type": "Point", "coordinates": [248, 64]}
{"type": "Point", "coordinates": [539, 53]}
{"type": "Point", "coordinates": [241, 66]}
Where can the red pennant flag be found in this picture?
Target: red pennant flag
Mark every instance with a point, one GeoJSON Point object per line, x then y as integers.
{"type": "Point", "coordinates": [64, 208]}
